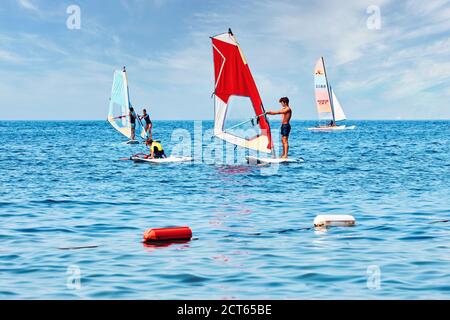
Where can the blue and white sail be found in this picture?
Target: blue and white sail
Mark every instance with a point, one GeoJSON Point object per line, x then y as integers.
{"type": "Point", "coordinates": [119, 106]}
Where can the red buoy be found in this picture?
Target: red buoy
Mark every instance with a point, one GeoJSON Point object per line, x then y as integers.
{"type": "Point", "coordinates": [168, 234]}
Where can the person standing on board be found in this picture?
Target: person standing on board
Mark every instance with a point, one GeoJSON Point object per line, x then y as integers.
{"type": "Point", "coordinates": [148, 123]}
{"type": "Point", "coordinates": [133, 117]}
{"type": "Point", "coordinates": [286, 114]}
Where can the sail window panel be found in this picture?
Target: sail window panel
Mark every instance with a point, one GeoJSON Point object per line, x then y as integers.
{"type": "Point", "coordinates": [240, 118]}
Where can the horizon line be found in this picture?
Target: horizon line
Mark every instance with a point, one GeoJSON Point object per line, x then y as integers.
{"type": "Point", "coordinates": [79, 120]}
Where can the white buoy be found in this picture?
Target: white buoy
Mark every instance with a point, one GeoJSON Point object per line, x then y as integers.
{"type": "Point", "coordinates": [334, 220]}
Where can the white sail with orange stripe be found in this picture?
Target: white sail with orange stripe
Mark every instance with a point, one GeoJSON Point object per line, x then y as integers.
{"type": "Point", "coordinates": [327, 104]}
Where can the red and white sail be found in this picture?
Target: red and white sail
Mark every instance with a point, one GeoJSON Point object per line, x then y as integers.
{"type": "Point", "coordinates": [233, 78]}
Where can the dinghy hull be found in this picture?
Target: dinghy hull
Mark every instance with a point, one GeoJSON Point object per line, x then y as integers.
{"type": "Point", "coordinates": [331, 129]}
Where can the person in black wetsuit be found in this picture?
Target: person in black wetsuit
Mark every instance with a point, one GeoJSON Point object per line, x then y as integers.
{"type": "Point", "coordinates": [148, 123]}
{"type": "Point", "coordinates": [133, 117]}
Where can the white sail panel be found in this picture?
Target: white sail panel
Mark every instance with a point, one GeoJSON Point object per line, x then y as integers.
{"type": "Point", "coordinates": [219, 116]}
{"type": "Point", "coordinates": [256, 142]}
{"type": "Point", "coordinates": [339, 114]}
{"type": "Point", "coordinates": [119, 104]}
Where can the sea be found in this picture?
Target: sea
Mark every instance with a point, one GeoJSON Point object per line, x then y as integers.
{"type": "Point", "coordinates": [73, 211]}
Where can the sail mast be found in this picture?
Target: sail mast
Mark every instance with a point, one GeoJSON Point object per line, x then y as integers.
{"type": "Point", "coordinates": [127, 93]}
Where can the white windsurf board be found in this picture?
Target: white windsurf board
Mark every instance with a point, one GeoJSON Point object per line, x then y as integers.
{"type": "Point", "coordinates": [257, 160]}
{"type": "Point", "coordinates": [170, 159]}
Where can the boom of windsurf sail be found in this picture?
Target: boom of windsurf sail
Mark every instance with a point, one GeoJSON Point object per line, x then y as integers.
{"type": "Point", "coordinates": [234, 79]}
{"type": "Point", "coordinates": [119, 106]}
{"type": "Point", "coordinates": [328, 106]}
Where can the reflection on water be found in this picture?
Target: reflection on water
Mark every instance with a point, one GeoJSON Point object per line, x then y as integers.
{"type": "Point", "coordinates": [154, 245]}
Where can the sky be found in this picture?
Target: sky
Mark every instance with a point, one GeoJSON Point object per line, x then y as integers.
{"type": "Point", "coordinates": [396, 69]}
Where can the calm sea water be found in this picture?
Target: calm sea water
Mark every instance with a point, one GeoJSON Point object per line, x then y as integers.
{"type": "Point", "coordinates": [62, 186]}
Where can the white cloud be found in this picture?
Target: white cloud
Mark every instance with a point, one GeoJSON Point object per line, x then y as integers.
{"type": "Point", "coordinates": [27, 4]}
{"type": "Point", "coordinates": [412, 68]}
{"type": "Point", "coordinates": [60, 94]}
{"type": "Point", "coordinates": [424, 76]}
{"type": "Point", "coordinates": [27, 48]}
{"type": "Point", "coordinates": [425, 8]}
{"type": "Point", "coordinates": [139, 6]}
{"type": "Point", "coordinates": [9, 57]}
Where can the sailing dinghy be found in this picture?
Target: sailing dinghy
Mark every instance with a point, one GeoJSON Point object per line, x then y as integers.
{"type": "Point", "coordinates": [328, 106]}
{"type": "Point", "coordinates": [119, 108]}
{"type": "Point", "coordinates": [235, 87]}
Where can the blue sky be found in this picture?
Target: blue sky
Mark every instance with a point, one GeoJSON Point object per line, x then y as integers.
{"type": "Point", "coordinates": [401, 71]}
